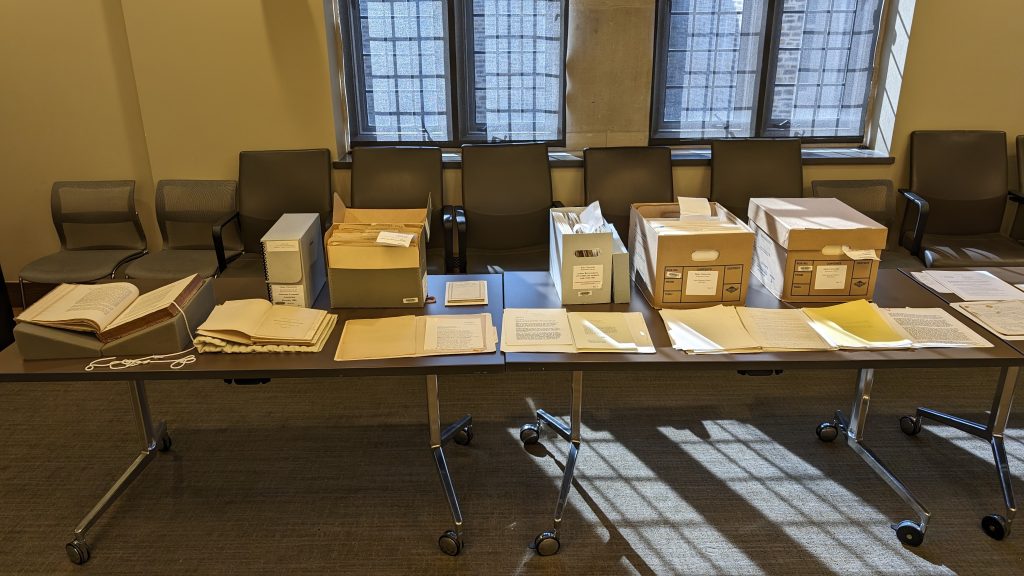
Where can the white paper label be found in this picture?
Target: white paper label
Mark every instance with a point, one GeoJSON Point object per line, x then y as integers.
{"type": "Point", "coordinates": [701, 282]}
{"type": "Point", "coordinates": [281, 246]}
{"type": "Point", "coordinates": [410, 300]}
{"type": "Point", "coordinates": [590, 276]}
{"type": "Point", "coordinates": [693, 206]}
{"type": "Point", "coordinates": [395, 239]}
{"type": "Point", "coordinates": [673, 274]}
{"type": "Point", "coordinates": [859, 254]}
{"type": "Point", "coordinates": [831, 277]}
{"type": "Point", "coordinates": [288, 294]}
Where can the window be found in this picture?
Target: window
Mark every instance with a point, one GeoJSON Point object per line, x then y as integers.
{"type": "Point", "coordinates": [765, 68]}
{"type": "Point", "coordinates": [447, 72]}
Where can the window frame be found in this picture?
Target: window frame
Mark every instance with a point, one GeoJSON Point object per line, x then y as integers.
{"type": "Point", "coordinates": [459, 70]}
{"type": "Point", "coordinates": [769, 47]}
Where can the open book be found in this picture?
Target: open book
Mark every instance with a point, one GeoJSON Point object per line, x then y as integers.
{"type": "Point", "coordinates": [111, 310]}
{"type": "Point", "coordinates": [257, 322]}
{"type": "Point", "coordinates": [555, 330]}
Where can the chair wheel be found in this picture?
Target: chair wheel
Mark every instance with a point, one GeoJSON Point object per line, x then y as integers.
{"type": "Point", "coordinates": [910, 425]}
{"type": "Point", "coordinates": [827, 431]}
{"type": "Point", "coordinates": [546, 544]}
{"type": "Point", "coordinates": [450, 543]}
{"type": "Point", "coordinates": [529, 434]}
{"type": "Point", "coordinates": [464, 435]}
{"type": "Point", "coordinates": [78, 551]}
{"type": "Point", "coordinates": [995, 526]}
{"type": "Point", "coordinates": [909, 533]}
{"type": "Point", "coordinates": [165, 443]}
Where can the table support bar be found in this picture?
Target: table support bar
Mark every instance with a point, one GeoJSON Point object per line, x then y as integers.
{"type": "Point", "coordinates": [462, 432]}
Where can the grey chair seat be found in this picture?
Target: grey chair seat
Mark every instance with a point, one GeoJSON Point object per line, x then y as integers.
{"type": "Point", "coordinates": [248, 265]}
{"type": "Point", "coordinates": [948, 251]}
{"type": "Point", "coordinates": [70, 266]}
{"type": "Point", "coordinates": [531, 259]}
{"type": "Point", "coordinates": [175, 264]}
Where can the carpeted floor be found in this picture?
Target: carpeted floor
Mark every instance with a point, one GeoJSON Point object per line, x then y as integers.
{"type": "Point", "coordinates": [711, 473]}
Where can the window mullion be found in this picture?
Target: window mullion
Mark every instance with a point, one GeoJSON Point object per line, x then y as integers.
{"type": "Point", "coordinates": [769, 62]}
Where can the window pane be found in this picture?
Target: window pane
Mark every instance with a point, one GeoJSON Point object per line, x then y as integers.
{"type": "Point", "coordinates": [517, 69]}
{"type": "Point", "coordinates": [711, 62]}
{"type": "Point", "coordinates": [824, 68]}
{"type": "Point", "coordinates": [403, 65]}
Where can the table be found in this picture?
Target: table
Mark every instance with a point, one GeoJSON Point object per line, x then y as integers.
{"type": "Point", "coordinates": [995, 525]}
{"type": "Point", "coordinates": [893, 289]}
{"type": "Point", "coordinates": [256, 368]}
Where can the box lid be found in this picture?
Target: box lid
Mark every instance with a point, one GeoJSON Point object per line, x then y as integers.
{"type": "Point", "coordinates": [814, 223]}
{"type": "Point", "coordinates": [348, 215]}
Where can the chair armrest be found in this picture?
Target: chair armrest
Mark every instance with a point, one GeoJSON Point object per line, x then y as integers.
{"type": "Point", "coordinates": [218, 240]}
{"type": "Point", "coordinates": [557, 204]}
{"type": "Point", "coordinates": [453, 220]}
{"type": "Point", "coordinates": [1015, 196]}
{"type": "Point", "coordinates": [922, 221]}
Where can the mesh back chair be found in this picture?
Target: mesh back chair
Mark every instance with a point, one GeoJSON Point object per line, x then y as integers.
{"type": "Point", "coordinates": [98, 228]}
{"type": "Point", "coordinates": [191, 214]}
{"type": "Point", "coordinates": [620, 177]}
{"type": "Point", "coordinates": [404, 177]}
{"type": "Point", "coordinates": [877, 200]}
{"type": "Point", "coordinates": [272, 183]}
{"type": "Point", "coordinates": [957, 196]}
{"type": "Point", "coordinates": [755, 168]}
{"type": "Point", "coordinates": [503, 220]}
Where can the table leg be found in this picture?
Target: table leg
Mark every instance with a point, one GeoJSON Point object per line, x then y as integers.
{"type": "Point", "coordinates": [996, 526]}
{"type": "Point", "coordinates": [547, 543]}
{"type": "Point", "coordinates": [462, 432]}
{"type": "Point", "coordinates": [909, 532]}
{"type": "Point", "coordinates": [154, 438]}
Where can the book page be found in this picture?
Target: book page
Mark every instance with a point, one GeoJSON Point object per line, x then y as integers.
{"type": "Point", "coordinates": [235, 320]}
{"type": "Point", "coordinates": [857, 324]}
{"type": "Point", "coordinates": [453, 334]}
{"type": "Point", "coordinates": [288, 324]}
{"type": "Point", "coordinates": [708, 330]}
{"type": "Point", "coordinates": [152, 301]}
{"type": "Point", "coordinates": [935, 328]}
{"type": "Point", "coordinates": [781, 329]}
{"type": "Point", "coordinates": [601, 331]}
{"type": "Point", "coordinates": [98, 304]}
{"type": "Point", "coordinates": [375, 338]}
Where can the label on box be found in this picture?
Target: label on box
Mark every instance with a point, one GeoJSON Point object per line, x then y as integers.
{"type": "Point", "coordinates": [701, 282]}
{"type": "Point", "coordinates": [410, 300]}
{"type": "Point", "coordinates": [288, 294]}
{"type": "Point", "coordinates": [395, 239]}
{"type": "Point", "coordinates": [589, 276]}
{"type": "Point", "coordinates": [859, 254]}
{"type": "Point", "coordinates": [281, 246]}
{"type": "Point", "coordinates": [830, 277]}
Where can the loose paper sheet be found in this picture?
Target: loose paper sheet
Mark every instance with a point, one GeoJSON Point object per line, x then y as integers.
{"type": "Point", "coordinates": [693, 206]}
{"type": "Point", "coordinates": [716, 329]}
{"type": "Point", "coordinates": [536, 330]}
{"type": "Point", "coordinates": [926, 280]}
{"type": "Point", "coordinates": [854, 254]}
{"type": "Point", "coordinates": [395, 239]}
{"type": "Point", "coordinates": [781, 330]}
{"type": "Point", "coordinates": [1005, 319]}
{"type": "Point", "coordinates": [610, 332]}
{"type": "Point", "coordinates": [935, 328]}
{"type": "Point", "coordinates": [857, 325]}
{"type": "Point", "coordinates": [973, 285]}
{"type": "Point", "coordinates": [453, 333]}
{"type": "Point", "coordinates": [377, 338]}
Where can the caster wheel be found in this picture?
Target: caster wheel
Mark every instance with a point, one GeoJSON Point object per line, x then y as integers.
{"type": "Point", "coordinates": [464, 436]}
{"type": "Point", "coordinates": [78, 551]}
{"type": "Point", "coordinates": [827, 431]}
{"type": "Point", "coordinates": [164, 444]}
{"type": "Point", "coordinates": [910, 425]}
{"type": "Point", "coordinates": [909, 533]}
{"type": "Point", "coordinates": [450, 543]}
{"type": "Point", "coordinates": [546, 544]}
{"type": "Point", "coordinates": [995, 526]}
{"type": "Point", "coordinates": [529, 433]}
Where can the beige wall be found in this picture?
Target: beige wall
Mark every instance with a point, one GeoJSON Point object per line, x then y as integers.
{"type": "Point", "coordinates": [97, 89]}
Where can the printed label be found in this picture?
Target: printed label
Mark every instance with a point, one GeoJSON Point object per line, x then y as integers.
{"type": "Point", "coordinates": [589, 276]}
{"type": "Point", "coordinates": [288, 294]}
{"type": "Point", "coordinates": [832, 277]}
{"type": "Point", "coordinates": [281, 246]}
{"type": "Point", "coordinates": [410, 300]}
{"type": "Point", "coordinates": [701, 282]}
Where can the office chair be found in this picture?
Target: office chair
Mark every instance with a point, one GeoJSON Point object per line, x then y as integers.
{"type": "Point", "coordinates": [272, 183]}
{"type": "Point", "coordinates": [877, 200]}
{"type": "Point", "coordinates": [747, 168]}
{"type": "Point", "coordinates": [189, 213]}
{"type": "Point", "coordinates": [98, 228]}
{"type": "Point", "coordinates": [958, 192]}
{"type": "Point", "coordinates": [6, 315]}
{"type": "Point", "coordinates": [404, 177]}
{"type": "Point", "coordinates": [503, 221]}
{"type": "Point", "coordinates": [619, 177]}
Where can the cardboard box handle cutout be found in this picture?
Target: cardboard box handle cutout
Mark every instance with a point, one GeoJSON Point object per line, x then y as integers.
{"type": "Point", "coordinates": [831, 250]}
{"type": "Point", "coordinates": [704, 255]}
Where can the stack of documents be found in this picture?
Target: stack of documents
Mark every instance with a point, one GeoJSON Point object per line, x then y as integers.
{"type": "Point", "coordinates": [471, 293]}
{"type": "Point", "coordinates": [588, 221]}
{"type": "Point", "coordinates": [259, 326]}
{"type": "Point", "coordinates": [555, 330]}
{"type": "Point", "coordinates": [857, 325]}
{"type": "Point", "coordinates": [415, 336]}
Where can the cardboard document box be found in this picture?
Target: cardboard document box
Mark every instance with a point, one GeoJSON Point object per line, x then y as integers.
{"type": "Point", "coordinates": [815, 249]}
{"type": "Point", "coordinates": [622, 286]}
{"type": "Point", "coordinates": [690, 261]}
{"type": "Point", "coordinates": [294, 258]}
{"type": "Point", "coordinates": [580, 262]}
{"type": "Point", "coordinates": [367, 270]}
